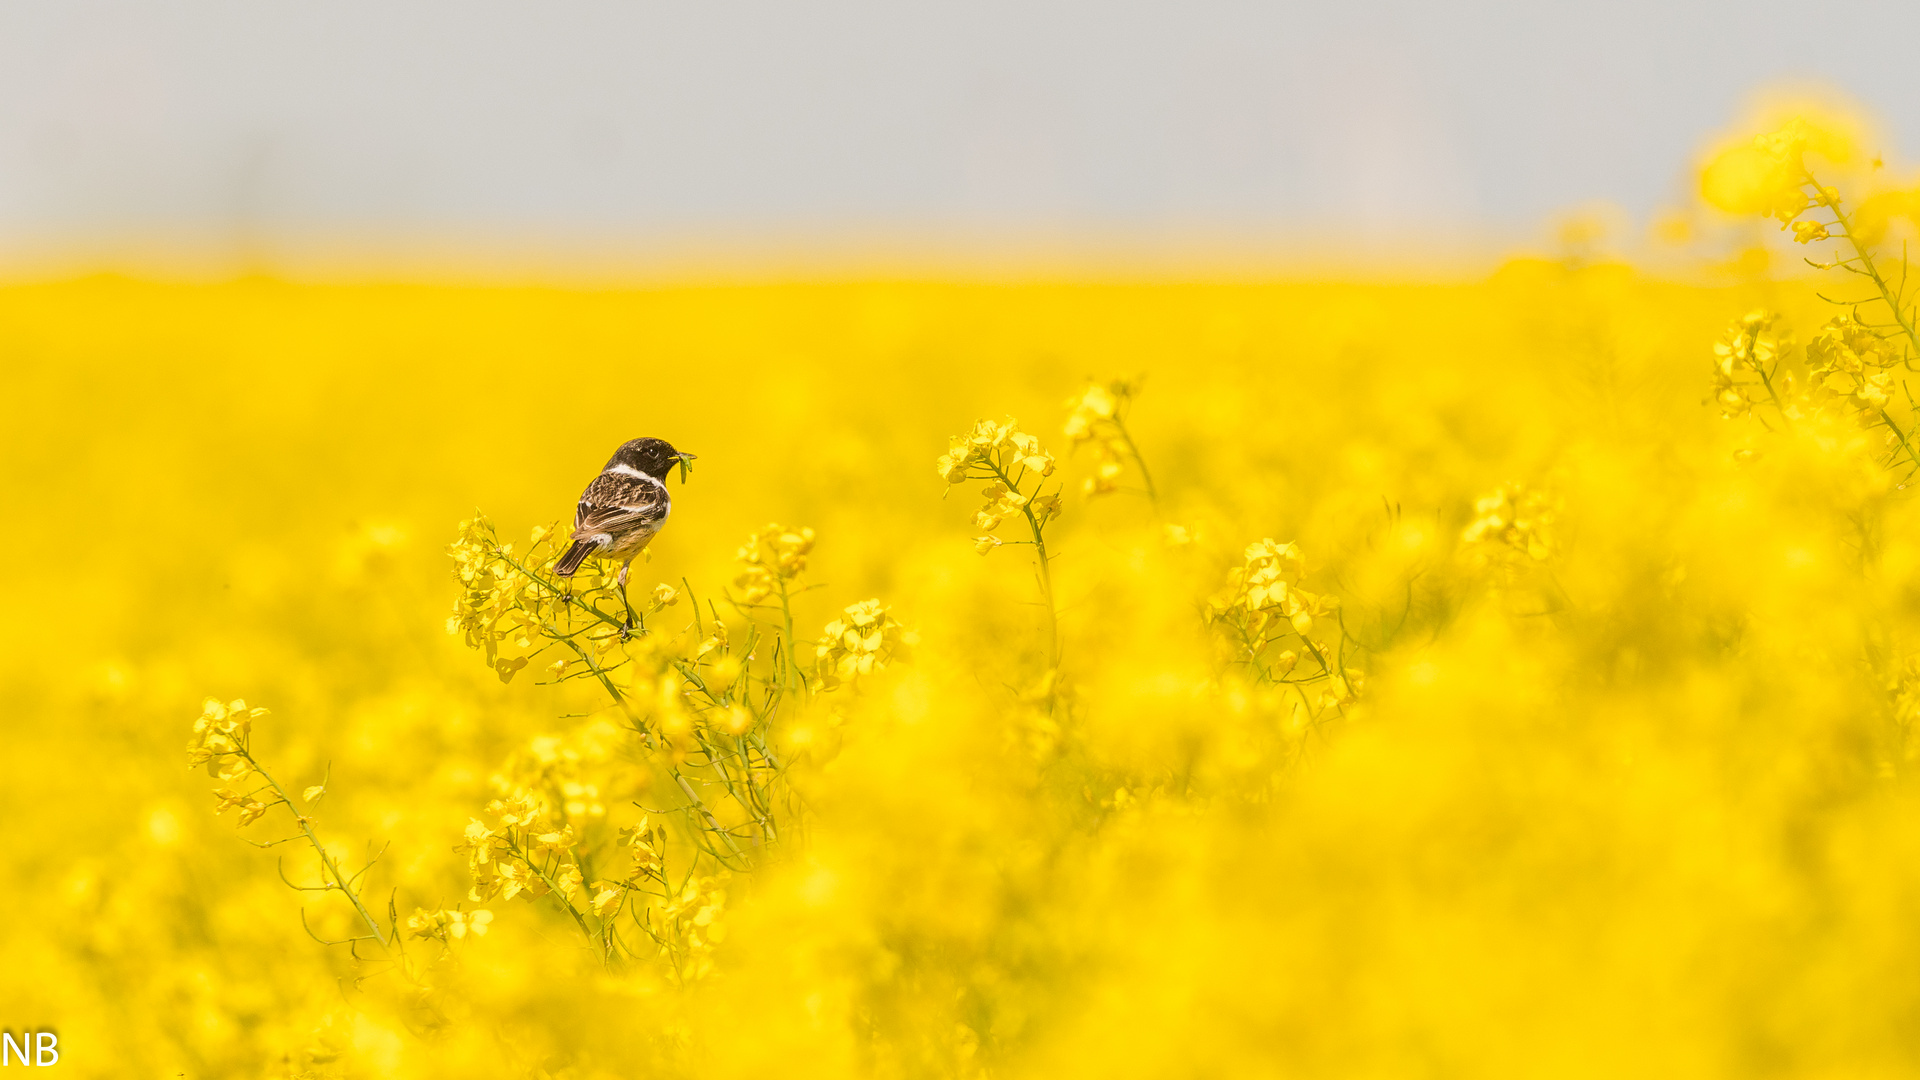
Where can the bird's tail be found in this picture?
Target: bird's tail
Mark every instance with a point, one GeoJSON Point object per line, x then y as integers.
{"type": "Point", "coordinates": [575, 555]}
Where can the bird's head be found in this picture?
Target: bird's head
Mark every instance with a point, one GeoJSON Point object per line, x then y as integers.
{"type": "Point", "coordinates": [655, 457]}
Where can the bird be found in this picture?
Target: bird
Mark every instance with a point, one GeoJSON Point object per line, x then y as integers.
{"type": "Point", "coordinates": [623, 508]}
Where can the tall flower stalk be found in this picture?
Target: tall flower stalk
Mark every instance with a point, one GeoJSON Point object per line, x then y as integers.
{"type": "Point", "coordinates": [223, 744]}
{"type": "Point", "coordinates": [1858, 364]}
{"type": "Point", "coordinates": [1099, 418]}
{"type": "Point", "coordinates": [1017, 471]}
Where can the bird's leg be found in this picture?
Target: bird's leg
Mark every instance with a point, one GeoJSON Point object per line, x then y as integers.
{"type": "Point", "coordinates": [632, 619]}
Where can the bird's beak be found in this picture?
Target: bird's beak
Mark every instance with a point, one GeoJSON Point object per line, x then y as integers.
{"type": "Point", "coordinates": [686, 464]}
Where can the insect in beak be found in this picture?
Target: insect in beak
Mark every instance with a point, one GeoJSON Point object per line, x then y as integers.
{"type": "Point", "coordinates": [686, 464]}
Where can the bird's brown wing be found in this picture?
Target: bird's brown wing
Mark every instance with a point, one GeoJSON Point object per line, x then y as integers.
{"type": "Point", "coordinates": [616, 502]}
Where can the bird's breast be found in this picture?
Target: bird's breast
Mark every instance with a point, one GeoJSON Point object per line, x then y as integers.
{"type": "Point", "coordinates": [630, 541]}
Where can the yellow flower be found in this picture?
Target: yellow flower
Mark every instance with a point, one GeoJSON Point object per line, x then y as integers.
{"type": "Point", "coordinates": [1262, 605]}
{"type": "Point", "coordinates": [1095, 404]}
{"type": "Point", "coordinates": [1853, 364]}
{"type": "Point", "coordinates": [1096, 418]}
{"type": "Point", "coordinates": [642, 842]}
{"type": "Point", "coordinates": [866, 638]}
{"type": "Point", "coordinates": [448, 925]}
{"type": "Point", "coordinates": [716, 640]}
{"type": "Point", "coordinates": [771, 557]}
{"type": "Point", "coordinates": [1765, 175]}
{"type": "Point", "coordinates": [423, 923]}
{"type": "Point", "coordinates": [1753, 180]}
{"type": "Point", "coordinates": [1106, 474]}
{"type": "Point", "coordinates": [999, 494]}
{"type": "Point", "coordinates": [250, 808]}
{"type": "Point", "coordinates": [1517, 519]}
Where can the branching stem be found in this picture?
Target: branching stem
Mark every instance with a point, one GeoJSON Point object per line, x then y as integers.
{"type": "Point", "coordinates": [326, 858]}
{"type": "Point", "coordinates": [1040, 554]}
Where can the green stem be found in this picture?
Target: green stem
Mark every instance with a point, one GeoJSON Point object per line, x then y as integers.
{"type": "Point", "coordinates": [501, 554]}
{"type": "Point", "coordinates": [1887, 293]}
{"type": "Point", "coordinates": [713, 823]}
{"type": "Point", "coordinates": [790, 675]}
{"type": "Point", "coordinates": [672, 770]}
{"type": "Point", "coordinates": [1046, 572]}
{"type": "Point", "coordinates": [606, 682]}
{"type": "Point", "coordinates": [326, 860]}
{"type": "Point", "coordinates": [1898, 434]}
{"type": "Point", "coordinates": [1766, 380]}
{"type": "Point", "coordinates": [1046, 588]}
{"type": "Point", "coordinates": [1153, 494]}
{"type": "Point", "coordinates": [553, 886]}
{"type": "Point", "coordinates": [751, 800]}
{"type": "Point", "coordinates": [1872, 271]}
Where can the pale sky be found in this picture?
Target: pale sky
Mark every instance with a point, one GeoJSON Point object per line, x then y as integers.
{"type": "Point", "coordinates": [276, 131]}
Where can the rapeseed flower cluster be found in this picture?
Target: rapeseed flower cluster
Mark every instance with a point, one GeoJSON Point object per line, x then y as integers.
{"type": "Point", "coordinates": [448, 926]}
{"type": "Point", "coordinates": [1531, 694]}
{"type": "Point", "coordinates": [1265, 622]}
{"type": "Point", "coordinates": [1008, 459]}
{"type": "Point", "coordinates": [769, 560]}
{"type": "Point", "coordinates": [863, 640]}
{"type": "Point", "coordinates": [1806, 173]}
{"type": "Point", "coordinates": [1098, 418]}
{"type": "Point", "coordinates": [1514, 521]}
{"type": "Point", "coordinates": [521, 851]}
{"type": "Point", "coordinates": [1017, 472]}
{"type": "Point", "coordinates": [1746, 362]}
{"type": "Point", "coordinates": [1853, 365]}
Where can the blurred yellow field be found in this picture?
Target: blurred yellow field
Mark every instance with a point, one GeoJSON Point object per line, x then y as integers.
{"type": "Point", "coordinates": [1486, 687]}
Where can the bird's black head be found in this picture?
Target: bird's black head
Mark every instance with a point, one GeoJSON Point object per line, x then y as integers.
{"type": "Point", "coordinates": [655, 457]}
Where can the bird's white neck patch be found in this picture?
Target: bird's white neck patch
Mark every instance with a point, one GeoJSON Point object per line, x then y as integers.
{"type": "Point", "coordinates": [628, 470]}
